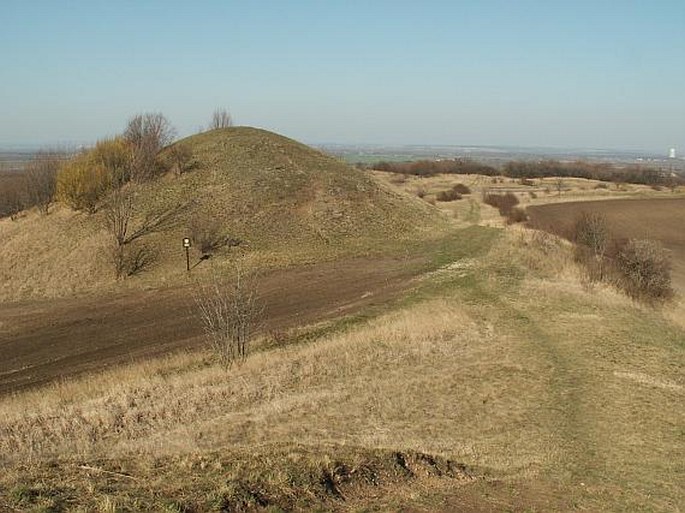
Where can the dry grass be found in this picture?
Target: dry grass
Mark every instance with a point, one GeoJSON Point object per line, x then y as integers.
{"type": "Point", "coordinates": [509, 363]}
{"type": "Point", "coordinates": [350, 388]}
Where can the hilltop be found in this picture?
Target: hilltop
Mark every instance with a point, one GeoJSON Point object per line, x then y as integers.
{"type": "Point", "coordinates": [272, 200]}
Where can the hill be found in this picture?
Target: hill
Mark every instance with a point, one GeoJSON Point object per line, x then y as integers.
{"type": "Point", "coordinates": [270, 199]}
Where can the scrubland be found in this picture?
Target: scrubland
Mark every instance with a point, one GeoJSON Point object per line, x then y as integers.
{"type": "Point", "coordinates": [555, 394]}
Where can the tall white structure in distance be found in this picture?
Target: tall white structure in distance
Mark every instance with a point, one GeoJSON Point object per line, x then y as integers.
{"type": "Point", "coordinates": [671, 153]}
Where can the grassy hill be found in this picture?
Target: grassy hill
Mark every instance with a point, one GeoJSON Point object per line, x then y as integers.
{"type": "Point", "coordinates": [279, 201]}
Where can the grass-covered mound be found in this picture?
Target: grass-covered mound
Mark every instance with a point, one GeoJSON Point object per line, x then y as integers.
{"type": "Point", "coordinates": [245, 191]}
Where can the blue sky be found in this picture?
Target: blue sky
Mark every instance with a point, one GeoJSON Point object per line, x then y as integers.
{"type": "Point", "coordinates": [590, 74]}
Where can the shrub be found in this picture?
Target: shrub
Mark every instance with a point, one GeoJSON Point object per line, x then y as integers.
{"type": "Point", "coordinates": [116, 157]}
{"type": "Point", "coordinates": [645, 270]}
{"type": "Point", "coordinates": [84, 180]}
{"type": "Point", "coordinates": [591, 235]}
{"type": "Point", "coordinates": [591, 230]}
{"type": "Point", "coordinates": [205, 232]}
{"type": "Point", "coordinates": [41, 180]}
{"type": "Point", "coordinates": [230, 311]}
{"type": "Point", "coordinates": [131, 260]}
{"type": "Point", "coordinates": [448, 195]}
{"type": "Point", "coordinates": [12, 195]}
{"type": "Point", "coordinates": [421, 192]}
{"type": "Point", "coordinates": [517, 215]}
{"type": "Point", "coordinates": [502, 202]}
{"type": "Point", "coordinates": [461, 188]}
{"type": "Point", "coordinates": [180, 157]}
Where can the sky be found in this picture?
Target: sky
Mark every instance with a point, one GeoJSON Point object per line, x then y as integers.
{"type": "Point", "coordinates": [537, 73]}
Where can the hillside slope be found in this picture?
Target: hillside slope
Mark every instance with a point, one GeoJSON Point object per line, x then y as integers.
{"type": "Point", "coordinates": [278, 201]}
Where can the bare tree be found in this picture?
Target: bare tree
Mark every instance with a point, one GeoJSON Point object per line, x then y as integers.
{"type": "Point", "coordinates": [221, 118]}
{"type": "Point", "coordinates": [147, 133]}
{"type": "Point", "coordinates": [560, 185]}
{"type": "Point", "coordinates": [119, 214]}
{"type": "Point", "coordinates": [12, 194]}
{"type": "Point", "coordinates": [230, 311]}
{"type": "Point", "coordinates": [592, 236]}
{"type": "Point", "coordinates": [41, 179]}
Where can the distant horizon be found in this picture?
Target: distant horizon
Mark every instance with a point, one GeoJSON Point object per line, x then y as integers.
{"type": "Point", "coordinates": [534, 73]}
{"type": "Point", "coordinates": [650, 152]}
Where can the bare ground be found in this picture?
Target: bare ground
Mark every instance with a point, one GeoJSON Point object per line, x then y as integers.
{"type": "Point", "coordinates": [48, 340]}
{"type": "Point", "coordinates": [661, 219]}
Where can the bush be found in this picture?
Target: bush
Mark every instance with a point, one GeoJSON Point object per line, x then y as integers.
{"type": "Point", "coordinates": [205, 232]}
{"type": "Point", "coordinates": [230, 312]}
{"type": "Point", "coordinates": [41, 180]}
{"type": "Point", "coordinates": [180, 156]}
{"type": "Point", "coordinates": [517, 215]}
{"type": "Point", "coordinates": [12, 195]}
{"type": "Point", "coordinates": [502, 202]}
{"type": "Point", "coordinates": [131, 260]}
{"type": "Point", "coordinates": [448, 195]}
{"type": "Point", "coordinates": [591, 235]}
{"type": "Point", "coordinates": [645, 270]}
{"type": "Point", "coordinates": [84, 180]}
{"type": "Point", "coordinates": [461, 188]}
{"type": "Point", "coordinates": [591, 230]}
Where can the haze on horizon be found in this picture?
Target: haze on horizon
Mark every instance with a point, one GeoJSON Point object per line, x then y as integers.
{"type": "Point", "coordinates": [585, 74]}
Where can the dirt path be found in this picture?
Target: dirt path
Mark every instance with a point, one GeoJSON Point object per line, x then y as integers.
{"type": "Point", "coordinates": [44, 341]}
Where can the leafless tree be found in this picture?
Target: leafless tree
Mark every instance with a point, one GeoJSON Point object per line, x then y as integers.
{"type": "Point", "coordinates": [592, 236]}
{"type": "Point", "coordinates": [41, 179]}
{"type": "Point", "coordinates": [560, 185]}
{"type": "Point", "coordinates": [230, 311]}
{"type": "Point", "coordinates": [12, 194]}
{"type": "Point", "coordinates": [221, 118]}
{"type": "Point", "coordinates": [119, 214]}
{"type": "Point", "coordinates": [147, 133]}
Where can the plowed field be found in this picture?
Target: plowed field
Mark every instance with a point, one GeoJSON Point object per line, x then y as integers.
{"type": "Point", "coordinates": [660, 219]}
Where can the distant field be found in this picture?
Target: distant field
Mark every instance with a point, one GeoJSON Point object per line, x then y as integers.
{"type": "Point", "coordinates": [661, 219]}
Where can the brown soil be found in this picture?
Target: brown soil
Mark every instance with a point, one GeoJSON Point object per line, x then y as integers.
{"type": "Point", "coordinates": [48, 340]}
{"type": "Point", "coordinates": [660, 219]}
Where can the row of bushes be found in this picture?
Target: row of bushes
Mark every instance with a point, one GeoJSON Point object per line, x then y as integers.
{"type": "Point", "coordinates": [535, 169]}
{"type": "Point", "coordinates": [435, 167]}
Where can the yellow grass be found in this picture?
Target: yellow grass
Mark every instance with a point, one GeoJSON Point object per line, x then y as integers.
{"type": "Point", "coordinates": [512, 364]}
